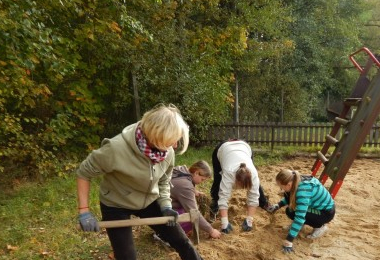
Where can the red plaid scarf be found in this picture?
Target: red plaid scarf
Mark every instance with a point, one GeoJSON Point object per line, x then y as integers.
{"type": "Point", "coordinates": [153, 154]}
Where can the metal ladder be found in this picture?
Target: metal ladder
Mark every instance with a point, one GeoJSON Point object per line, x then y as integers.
{"type": "Point", "coordinates": [366, 98]}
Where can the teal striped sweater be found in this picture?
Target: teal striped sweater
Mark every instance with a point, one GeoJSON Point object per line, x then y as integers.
{"type": "Point", "coordinates": [311, 196]}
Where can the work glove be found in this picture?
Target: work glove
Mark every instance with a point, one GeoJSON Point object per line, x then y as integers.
{"type": "Point", "coordinates": [88, 222]}
{"type": "Point", "coordinates": [169, 212]}
{"type": "Point", "coordinates": [247, 224]}
{"type": "Point", "coordinates": [228, 229]}
{"type": "Point", "coordinates": [273, 208]}
{"type": "Point", "coordinates": [287, 247]}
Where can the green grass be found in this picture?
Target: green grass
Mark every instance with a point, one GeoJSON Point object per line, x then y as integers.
{"type": "Point", "coordinates": [38, 221]}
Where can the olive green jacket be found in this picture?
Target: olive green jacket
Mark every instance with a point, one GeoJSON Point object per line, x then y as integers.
{"type": "Point", "coordinates": [130, 180]}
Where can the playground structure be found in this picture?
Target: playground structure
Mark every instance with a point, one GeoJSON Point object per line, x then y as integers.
{"type": "Point", "coordinates": [366, 98]}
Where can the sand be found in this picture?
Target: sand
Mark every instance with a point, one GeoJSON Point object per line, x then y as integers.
{"type": "Point", "coordinates": [353, 234]}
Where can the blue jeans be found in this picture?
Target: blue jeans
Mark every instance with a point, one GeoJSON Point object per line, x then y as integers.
{"type": "Point", "coordinates": [122, 238]}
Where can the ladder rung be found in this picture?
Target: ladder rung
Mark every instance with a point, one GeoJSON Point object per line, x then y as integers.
{"type": "Point", "coordinates": [352, 101]}
{"type": "Point", "coordinates": [341, 121]}
{"type": "Point", "coordinates": [331, 139]}
{"type": "Point", "coordinates": [322, 157]}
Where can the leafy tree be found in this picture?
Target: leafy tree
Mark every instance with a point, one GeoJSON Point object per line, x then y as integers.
{"type": "Point", "coordinates": [324, 33]}
{"type": "Point", "coordinates": [258, 69]}
{"type": "Point", "coordinates": [53, 87]}
{"type": "Point", "coordinates": [371, 33]}
{"type": "Point", "coordinates": [187, 62]}
{"type": "Point", "coordinates": [73, 72]}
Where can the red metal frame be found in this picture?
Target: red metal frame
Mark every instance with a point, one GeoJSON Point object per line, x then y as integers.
{"type": "Point", "coordinates": [316, 168]}
{"type": "Point", "coordinates": [336, 188]}
{"type": "Point", "coordinates": [369, 54]}
{"type": "Point", "coordinates": [323, 178]}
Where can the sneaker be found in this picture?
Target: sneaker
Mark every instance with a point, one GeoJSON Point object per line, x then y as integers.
{"type": "Point", "coordinates": [318, 232]}
{"type": "Point", "coordinates": [267, 207]}
{"type": "Point", "coordinates": [228, 229]}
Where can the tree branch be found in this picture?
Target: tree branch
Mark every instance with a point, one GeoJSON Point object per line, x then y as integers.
{"type": "Point", "coordinates": [371, 24]}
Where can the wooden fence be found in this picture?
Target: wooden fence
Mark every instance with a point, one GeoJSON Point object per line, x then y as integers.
{"type": "Point", "coordinates": [296, 134]}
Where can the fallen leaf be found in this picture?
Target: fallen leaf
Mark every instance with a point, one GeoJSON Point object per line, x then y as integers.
{"type": "Point", "coordinates": [45, 253]}
{"type": "Point", "coordinates": [12, 248]}
{"type": "Point", "coordinates": [111, 256]}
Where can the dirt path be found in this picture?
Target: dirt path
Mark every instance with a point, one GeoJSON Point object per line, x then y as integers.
{"type": "Point", "coordinates": [353, 234]}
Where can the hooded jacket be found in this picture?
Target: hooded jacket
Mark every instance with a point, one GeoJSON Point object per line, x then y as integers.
{"type": "Point", "coordinates": [183, 194]}
{"type": "Point", "coordinates": [130, 179]}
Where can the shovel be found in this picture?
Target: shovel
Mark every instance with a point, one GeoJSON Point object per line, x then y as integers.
{"type": "Point", "coordinates": [192, 217]}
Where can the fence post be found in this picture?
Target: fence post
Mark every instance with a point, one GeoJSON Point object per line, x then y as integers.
{"type": "Point", "coordinates": [272, 138]}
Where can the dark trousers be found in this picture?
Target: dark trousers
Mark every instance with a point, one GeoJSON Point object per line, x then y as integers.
{"type": "Point", "coordinates": [218, 178]}
{"type": "Point", "coordinates": [122, 238]}
{"type": "Point", "coordinates": [314, 218]}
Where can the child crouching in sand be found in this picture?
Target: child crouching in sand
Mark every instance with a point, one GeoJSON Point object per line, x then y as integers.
{"type": "Point", "coordinates": [309, 202]}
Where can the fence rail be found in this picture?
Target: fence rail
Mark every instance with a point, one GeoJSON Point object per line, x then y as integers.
{"type": "Point", "coordinates": [297, 134]}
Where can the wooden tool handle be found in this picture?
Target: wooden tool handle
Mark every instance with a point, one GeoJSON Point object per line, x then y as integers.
{"type": "Point", "coordinates": [141, 221]}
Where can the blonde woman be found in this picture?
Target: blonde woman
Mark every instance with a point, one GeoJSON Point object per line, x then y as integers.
{"type": "Point", "coordinates": [308, 201]}
{"type": "Point", "coordinates": [137, 167]}
{"type": "Point", "coordinates": [183, 193]}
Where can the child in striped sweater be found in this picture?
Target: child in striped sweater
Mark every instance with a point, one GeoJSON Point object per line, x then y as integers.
{"type": "Point", "coordinates": [308, 201]}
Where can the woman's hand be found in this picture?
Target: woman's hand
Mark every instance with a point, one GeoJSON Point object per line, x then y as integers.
{"type": "Point", "coordinates": [199, 193]}
{"type": "Point", "coordinates": [88, 222]}
{"type": "Point", "coordinates": [215, 233]}
{"type": "Point", "coordinates": [287, 246]}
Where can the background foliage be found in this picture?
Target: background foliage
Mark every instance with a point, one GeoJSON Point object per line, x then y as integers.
{"type": "Point", "coordinates": [73, 72]}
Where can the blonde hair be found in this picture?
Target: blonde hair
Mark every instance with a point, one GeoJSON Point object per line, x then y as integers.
{"type": "Point", "coordinates": [203, 167]}
{"type": "Point", "coordinates": [163, 126]}
{"type": "Point", "coordinates": [284, 177]}
{"type": "Point", "coordinates": [244, 177]}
